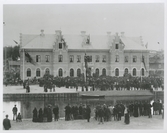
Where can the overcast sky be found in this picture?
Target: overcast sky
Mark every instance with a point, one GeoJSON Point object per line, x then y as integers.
{"type": "Point", "coordinates": [146, 20]}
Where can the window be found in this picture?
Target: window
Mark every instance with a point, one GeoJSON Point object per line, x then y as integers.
{"type": "Point", "coordinates": [104, 58]}
{"type": "Point", "coordinates": [78, 72]}
{"type": "Point", "coordinates": [97, 71]}
{"type": "Point", "coordinates": [78, 58]}
{"type": "Point", "coordinates": [47, 58]}
{"type": "Point", "coordinates": [159, 66]}
{"type": "Point", "coordinates": [116, 46]}
{"type": "Point", "coordinates": [60, 46]}
{"type": "Point", "coordinates": [28, 72]}
{"type": "Point", "coordinates": [60, 58]}
{"type": "Point", "coordinates": [97, 58]}
{"type": "Point", "coordinates": [38, 58]}
{"type": "Point", "coordinates": [47, 71]}
{"type": "Point", "coordinates": [142, 71]}
{"type": "Point", "coordinates": [38, 72]}
{"type": "Point", "coordinates": [126, 71]}
{"type": "Point", "coordinates": [116, 72]}
{"type": "Point", "coordinates": [134, 72]}
{"type": "Point", "coordinates": [71, 72]}
{"type": "Point", "coordinates": [90, 59]}
{"type": "Point", "coordinates": [104, 72]}
{"type": "Point", "coordinates": [71, 58]}
{"type": "Point", "coordinates": [117, 58]}
{"type": "Point", "coordinates": [126, 58]}
{"type": "Point", "coordinates": [134, 58]}
{"type": "Point", "coordinates": [60, 72]}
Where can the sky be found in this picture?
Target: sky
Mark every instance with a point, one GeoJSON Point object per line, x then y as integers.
{"type": "Point", "coordinates": [146, 20]}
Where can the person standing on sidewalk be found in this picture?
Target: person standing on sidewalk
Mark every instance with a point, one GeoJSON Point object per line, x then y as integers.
{"type": "Point", "coordinates": [6, 123]}
{"type": "Point", "coordinates": [14, 110]}
{"type": "Point", "coordinates": [88, 111]}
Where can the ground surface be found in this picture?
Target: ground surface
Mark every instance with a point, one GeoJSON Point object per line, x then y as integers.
{"type": "Point", "coordinates": [39, 90]}
{"type": "Point", "coordinates": [143, 122]}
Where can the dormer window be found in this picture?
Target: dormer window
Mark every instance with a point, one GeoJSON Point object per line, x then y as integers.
{"type": "Point", "coordinates": [116, 46]}
{"type": "Point", "coordinates": [60, 46]}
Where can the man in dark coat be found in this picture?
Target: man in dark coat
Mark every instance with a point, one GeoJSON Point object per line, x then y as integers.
{"type": "Point", "coordinates": [14, 112]}
{"type": "Point", "coordinates": [88, 111]}
{"type": "Point", "coordinates": [56, 113]}
{"type": "Point", "coordinates": [34, 119]}
{"type": "Point", "coordinates": [49, 117]}
{"type": "Point", "coordinates": [67, 112]}
{"type": "Point", "coordinates": [6, 123]}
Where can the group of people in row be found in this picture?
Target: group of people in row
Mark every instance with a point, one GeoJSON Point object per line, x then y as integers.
{"type": "Point", "coordinates": [45, 115]}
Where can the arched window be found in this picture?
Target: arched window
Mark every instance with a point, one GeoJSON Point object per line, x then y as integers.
{"type": "Point", "coordinates": [78, 72]}
{"type": "Point", "coordinates": [38, 72]}
{"type": "Point", "coordinates": [71, 72]}
{"type": "Point", "coordinates": [142, 71]}
{"type": "Point", "coordinates": [126, 71]}
{"type": "Point", "coordinates": [97, 71]}
{"type": "Point", "coordinates": [60, 72]}
{"type": "Point", "coordinates": [134, 72]}
{"type": "Point", "coordinates": [104, 72]}
{"type": "Point", "coordinates": [116, 72]}
{"type": "Point", "coordinates": [28, 72]}
{"type": "Point", "coordinates": [47, 71]}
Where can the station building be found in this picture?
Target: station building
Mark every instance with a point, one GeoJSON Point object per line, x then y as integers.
{"type": "Point", "coordinates": [63, 55]}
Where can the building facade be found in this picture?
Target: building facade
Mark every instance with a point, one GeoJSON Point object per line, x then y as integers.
{"type": "Point", "coordinates": [63, 55]}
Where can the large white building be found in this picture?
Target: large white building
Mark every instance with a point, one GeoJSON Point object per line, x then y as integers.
{"type": "Point", "coordinates": [63, 55]}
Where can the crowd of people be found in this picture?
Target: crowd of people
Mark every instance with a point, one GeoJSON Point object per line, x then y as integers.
{"type": "Point", "coordinates": [102, 82]}
{"type": "Point", "coordinates": [101, 112]}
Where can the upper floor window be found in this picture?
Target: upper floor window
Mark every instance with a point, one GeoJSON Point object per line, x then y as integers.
{"type": "Point", "coordinates": [143, 59]}
{"type": "Point", "coordinates": [88, 58]}
{"type": "Point", "coordinates": [38, 58]}
{"type": "Point", "coordinates": [116, 46]}
{"type": "Point", "coordinates": [60, 46]}
{"type": "Point", "coordinates": [126, 58]}
{"type": "Point", "coordinates": [78, 58]}
{"type": "Point", "coordinates": [47, 58]}
{"type": "Point", "coordinates": [60, 58]}
{"type": "Point", "coordinates": [97, 58]}
{"type": "Point", "coordinates": [117, 58]}
{"type": "Point", "coordinates": [134, 58]}
{"type": "Point", "coordinates": [71, 58]}
{"type": "Point", "coordinates": [104, 58]}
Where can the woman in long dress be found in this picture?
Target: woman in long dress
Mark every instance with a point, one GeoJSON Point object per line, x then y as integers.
{"type": "Point", "coordinates": [127, 116]}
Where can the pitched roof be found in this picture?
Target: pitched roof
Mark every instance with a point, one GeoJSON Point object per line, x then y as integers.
{"type": "Point", "coordinates": [47, 41]}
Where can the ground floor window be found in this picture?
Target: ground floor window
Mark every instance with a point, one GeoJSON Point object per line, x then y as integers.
{"type": "Point", "coordinates": [60, 72]}
{"type": "Point", "coordinates": [28, 72]}
{"type": "Point", "coordinates": [38, 72]}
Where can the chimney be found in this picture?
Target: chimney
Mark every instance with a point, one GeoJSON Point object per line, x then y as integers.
{"type": "Point", "coordinates": [42, 33]}
{"type": "Point", "coordinates": [58, 32]}
{"type": "Point", "coordinates": [83, 33]}
{"type": "Point", "coordinates": [122, 34]}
